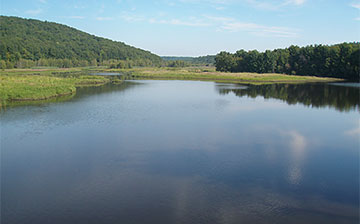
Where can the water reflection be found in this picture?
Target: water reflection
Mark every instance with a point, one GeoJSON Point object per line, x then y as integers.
{"type": "Point", "coordinates": [105, 89]}
{"type": "Point", "coordinates": [177, 152]}
{"type": "Point", "coordinates": [340, 97]}
{"type": "Point", "coordinates": [354, 132]}
{"type": "Point", "coordinates": [298, 151]}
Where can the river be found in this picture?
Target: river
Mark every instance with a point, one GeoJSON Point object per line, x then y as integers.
{"type": "Point", "coordinates": [184, 152]}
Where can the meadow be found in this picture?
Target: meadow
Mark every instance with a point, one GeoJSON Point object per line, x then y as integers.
{"type": "Point", "coordinates": [204, 73]}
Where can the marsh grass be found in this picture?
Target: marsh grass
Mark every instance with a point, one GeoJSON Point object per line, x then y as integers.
{"type": "Point", "coordinates": [209, 73]}
{"type": "Point", "coordinates": [44, 84]}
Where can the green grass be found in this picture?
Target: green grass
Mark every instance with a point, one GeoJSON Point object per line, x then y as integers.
{"type": "Point", "coordinates": [30, 85]}
{"type": "Point", "coordinates": [209, 74]}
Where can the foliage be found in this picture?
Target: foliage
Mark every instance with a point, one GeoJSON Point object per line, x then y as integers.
{"type": "Point", "coordinates": [41, 86]}
{"type": "Point", "coordinates": [189, 61]}
{"type": "Point", "coordinates": [177, 63]}
{"type": "Point", "coordinates": [27, 42]}
{"type": "Point", "coordinates": [340, 61]}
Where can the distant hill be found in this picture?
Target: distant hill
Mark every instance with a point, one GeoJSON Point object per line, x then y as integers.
{"type": "Point", "coordinates": [34, 40]}
{"type": "Point", "coordinates": [202, 60]}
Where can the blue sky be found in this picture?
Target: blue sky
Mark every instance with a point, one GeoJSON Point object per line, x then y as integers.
{"type": "Point", "coordinates": [201, 27]}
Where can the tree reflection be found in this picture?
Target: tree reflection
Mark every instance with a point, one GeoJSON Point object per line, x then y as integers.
{"type": "Point", "coordinates": [342, 98]}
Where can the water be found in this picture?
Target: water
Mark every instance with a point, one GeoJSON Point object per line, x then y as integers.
{"type": "Point", "coordinates": [184, 152]}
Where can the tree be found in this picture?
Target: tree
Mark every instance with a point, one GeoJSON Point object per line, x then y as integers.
{"type": "Point", "coordinates": [225, 62]}
{"type": "Point", "coordinates": [341, 61]}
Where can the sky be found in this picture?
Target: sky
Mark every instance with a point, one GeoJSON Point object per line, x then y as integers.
{"type": "Point", "coordinates": [201, 27]}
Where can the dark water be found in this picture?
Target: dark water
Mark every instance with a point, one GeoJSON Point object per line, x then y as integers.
{"type": "Point", "coordinates": [184, 152]}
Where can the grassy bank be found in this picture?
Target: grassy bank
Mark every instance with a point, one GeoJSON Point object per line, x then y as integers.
{"type": "Point", "coordinates": [33, 85]}
{"type": "Point", "coordinates": [209, 74]}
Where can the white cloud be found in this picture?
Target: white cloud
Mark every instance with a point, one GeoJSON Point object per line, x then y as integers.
{"type": "Point", "coordinates": [43, 1]}
{"type": "Point", "coordinates": [216, 4]}
{"type": "Point", "coordinates": [219, 7]}
{"type": "Point", "coordinates": [104, 18]}
{"type": "Point", "coordinates": [296, 2]}
{"type": "Point", "coordinates": [75, 17]}
{"type": "Point", "coordinates": [219, 19]}
{"type": "Point", "coordinates": [191, 22]}
{"type": "Point", "coordinates": [232, 25]}
{"type": "Point", "coordinates": [34, 12]}
{"type": "Point", "coordinates": [275, 5]}
{"type": "Point", "coordinates": [239, 26]}
{"type": "Point", "coordinates": [355, 5]}
{"type": "Point", "coordinates": [263, 5]}
{"type": "Point", "coordinates": [131, 17]}
{"type": "Point", "coordinates": [207, 1]}
{"type": "Point", "coordinates": [79, 7]}
{"type": "Point", "coordinates": [219, 23]}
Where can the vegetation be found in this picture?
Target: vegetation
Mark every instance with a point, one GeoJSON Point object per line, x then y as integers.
{"type": "Point", "coordinates": [25, 43]}
{"type": "Point", "coordinates": [31, 85]}
{"type": "Point", "coordinates": [339, 61]}
{"type": "Point", "coordinates": [209, 73]}
{"type": "Point", "coordinates": [177, 64]}
{"type": "Point", "coordinates": [208, 60]}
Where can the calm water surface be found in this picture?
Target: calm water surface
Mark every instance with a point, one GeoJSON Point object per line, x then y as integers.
{"type": "Point", "coordinates": [184, 152]}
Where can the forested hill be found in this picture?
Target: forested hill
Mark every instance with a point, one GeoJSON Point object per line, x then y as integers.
{"type": "Point", "coordinates": [30, 39]}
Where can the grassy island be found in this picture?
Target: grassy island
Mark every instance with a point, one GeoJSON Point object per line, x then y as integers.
{"type": "Point", "coordinates": [209, 74]}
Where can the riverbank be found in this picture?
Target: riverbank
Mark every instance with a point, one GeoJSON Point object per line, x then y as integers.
{"type": "Point", "coordinates": [36, 85]}
{"type": "Point", "coordinates": [46, 83]}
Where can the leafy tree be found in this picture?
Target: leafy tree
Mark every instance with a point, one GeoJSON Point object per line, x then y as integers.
{"type": "Point", "coordinates": [225, 62]}
{"type": "Point", "coordinates": [340, 60]}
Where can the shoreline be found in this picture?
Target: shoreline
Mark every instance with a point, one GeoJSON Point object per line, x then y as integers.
{"type": "Point", "coordinates": [29, 85]}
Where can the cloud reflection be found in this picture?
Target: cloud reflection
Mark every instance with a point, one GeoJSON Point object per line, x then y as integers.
{"type": "Point", "coordinates": [355, 132]}
{"type": "Point", "coordinates": [298, 151]}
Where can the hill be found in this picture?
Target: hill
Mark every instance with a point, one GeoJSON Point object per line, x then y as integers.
{"type": "Point", "coordinates": [35, 40]}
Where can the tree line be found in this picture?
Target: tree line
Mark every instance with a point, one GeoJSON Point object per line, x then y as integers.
{"type": "Point", "coordinates": [25, 42]}
{"type": "Point", "coordinates": [340, 61]}
{"type": "Point", "coordinates": [173, 61]}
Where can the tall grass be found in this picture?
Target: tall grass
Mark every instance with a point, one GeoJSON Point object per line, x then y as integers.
{"type": "Point", "coordinates": [16, 87]}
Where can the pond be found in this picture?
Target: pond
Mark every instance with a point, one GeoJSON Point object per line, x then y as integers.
{"type": "Point", "coordinates": [184, 152]}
